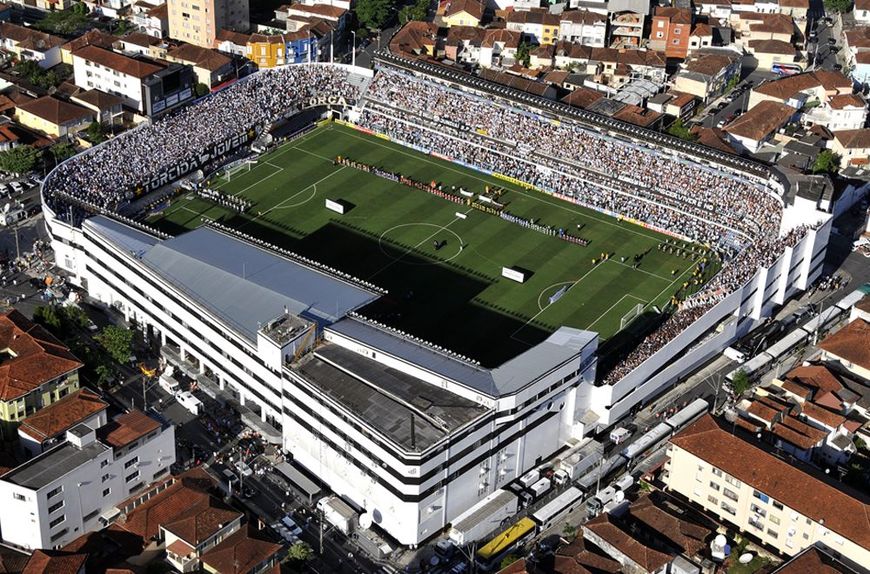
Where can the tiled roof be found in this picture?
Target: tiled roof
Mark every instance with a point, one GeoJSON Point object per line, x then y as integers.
{"type": "Point", "coordinates": [713, 138]}
{"type": "Point", "coordinates": [582, 17]}
{"type": "Point", "coordinates": [822, 415]}
{"type": "Point", "coordinates": [794, 4]}
{"type": "Point", "coordinates": [582, 97]}
{"type": "Point", "coordinates": [842, 101]}
{"type": "Point", "coordinates": [815, 377]}
{"type": "Point", "coordinates": [318, 10]}
{"type": "Point", "coordinates": [814, 561]}
{"type": "Point", "coordinates": [62, 415]}
{"type": "Point", "coordinates": [98, 99]}
{"type": "Point", "coordinates": [239, 554]}
{"type": "Point", "coordinates": [638, 116]}
{"type": "Point", "coordinates": [811, 496]}
{"type": "Point", "coordinates": [604, 525]}
{"type": "Point", "coordinates": [55, 111]}
{"type": "Point", "coordinates": [107, 548]}
{"type": "Point", "coordinates": [761, 121]}
{"type": "Point", "coordinates": [687, 535]}
{"type": "Point", "coordinates": [54, 562]}
{"type": "Point", "coordinates": [785, 88]}
{"type": "Point", "coordinates": [187, 490]}
{"type": "Point", "coordinates": [126, 428]}
{"type": "Point", "coordinates": [854, 139]}
{"type": "Point", "coordinates": [235, 37]}
{"type": "Point", "coordinates": [799, 433]}
{"type": "Point", "coordinates": [540, 16]}
{"type": "Point", "coordinates": [199, 522]}
{"type": "Point", "coordinates": [38, 356]}
{"type": "Point", "coordinates": [29, 38]}
{"type": "Point", "coordinates": [473, 8]}
{"type": "Point", "coordinates": [770, 23]}
{"type": "Point", "coordinates": [140, 39]}
{"type": "Point", "coordinates": [674, 15]}
{"type": "Point", "coordinates": [160, 11]}
{"type": "Point", "coordinates": [702, 30]}
{"type": "Point", "coordinates": [708, 64]}
{"type": "Point", "coordinates": [200, 57]}
{"type": "Point", "coordinates": [180, 548]}
{"type": "Point", "coordinates": [858, 37]}
{"type": "Point", "coordinates": [118, 62]}
{"type": "Point", "coordinates": [510, 38]}
{"type": "Point", "coordinates": [12, 561]}
{"type": "Point", "coordinates": [861, 4]}
{"type": "Point", "coordinates": [851, 343]}
{"type": "Point", "coordinates": [414, 37]}
{"type": "Point", "coordinates": [462, 34]}
{"type": "Point", "coordinates": [772, 47]}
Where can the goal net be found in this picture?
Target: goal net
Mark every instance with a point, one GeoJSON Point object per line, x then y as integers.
{"type": "Point", "coordinates": [631, 316]}
{"type": "Point", "coordinates": [232, 170]}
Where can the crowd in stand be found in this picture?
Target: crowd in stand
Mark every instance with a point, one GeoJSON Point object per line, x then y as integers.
{"type": "Point", "coordinates": [718, 197]}
{"type": "Point", "coordinates": [111, 176]}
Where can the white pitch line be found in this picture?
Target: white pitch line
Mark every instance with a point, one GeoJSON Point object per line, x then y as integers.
{"type": "Point", "coordinates": [259, 181]}
{"type": "Point", "coordinates": [524, 325]}
{"type": "Point", "coordinates": [294, 196]}
{"type": "Point", "coordinates": [670, 286]}
{"type": "Point", "coordinates": [668, 279]}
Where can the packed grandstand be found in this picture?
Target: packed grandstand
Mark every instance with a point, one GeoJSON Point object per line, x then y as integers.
{"type": "Point", "coordinates": [736, 213]}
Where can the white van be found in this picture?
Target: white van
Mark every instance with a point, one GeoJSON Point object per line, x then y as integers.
{"type": "Point", "coordinates": [734, 355]}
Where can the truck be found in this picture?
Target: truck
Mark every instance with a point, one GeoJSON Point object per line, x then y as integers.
{"type": "Point", "coordinates": [530, 478]}
{"type": "Point", "coordinates": [596, 504]}
{"type": "Point", "coordinates": [168, 382]}
{"type": "Point", "coordinates": [618, 435]}
{"type": "Point", "coordinates": [578, 463]}
{"type": "Point", "coordinates": [484, 517]}
{"type": "Point", "coordinates": [190, 402]}
{"type": "Point", "coordinates": [337, 512]}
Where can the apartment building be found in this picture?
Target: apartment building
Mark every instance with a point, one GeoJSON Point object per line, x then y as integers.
{"type": "Point", "coordinates": [73, 487]}
{"type": "Point", "coordinates": [198, 21]}
{"type": "Point", "coordinates": [733, 476]}
{"type": "Point", "coordinates": [671, 30]}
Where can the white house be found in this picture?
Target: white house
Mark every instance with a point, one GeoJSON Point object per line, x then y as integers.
{"type": "Point", "coordinates": [861, 12]}
{"type": "Point", "coordinates": [73, 488]}
{"type": "Point", "coordinates": [583, 27]}
{"type": "Point", "coordinates": [113, 73]}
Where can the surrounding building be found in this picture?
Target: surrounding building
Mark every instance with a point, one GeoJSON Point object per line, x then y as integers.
{"type": "Point", "coordinates": [707, 72]}
{"type": "Point", "coordinates": [28, 44]}
{"type": "Point", "coordinates": [73, 487]}
{"type": "Point", "coordinates": [146, 86]}
{"type": "Point", "coordinates": [269, 51]}
{"type": "Point", "coordinates": [538, 25]}
{"type": "Point", "coordinates": [759, 125]}
{"type": "Point", "coordinates": [671, 29]}
{"type": "Point", "coordinates": [583, 27]}
{"type": "Point", "coordinates": [211, 68]}
{"type": "Point", "coordinates": [35, 368]}
{"type": "Point", "coordinates": [785, 507]}
{"type": "Point", "coordinates": [849, 348]}
{"type": "Point", "coordinates": [627, 22]}
{"type": "Point", "coordinates": [54, 117]}
{"type": "Point", "coordinates": [46, 427]}
{"type": "Point", "coordinates": [463, 13]}
{"type": "Point", "coordinates": [199, 22]}
{"type": "Point", "coordinates": [853, 146]}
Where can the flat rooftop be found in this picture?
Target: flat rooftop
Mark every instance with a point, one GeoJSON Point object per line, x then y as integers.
{"type": "Point", "coordinates": [561, 346]}
{"type": "Point", "coordinates": [53, 464]}
{"type": "Point", "coordinates": [387, 399]}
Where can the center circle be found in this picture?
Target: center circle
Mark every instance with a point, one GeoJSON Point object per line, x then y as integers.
{"type": "Point", "coordinates": [437, 233]}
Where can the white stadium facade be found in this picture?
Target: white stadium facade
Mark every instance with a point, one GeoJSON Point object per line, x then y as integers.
{"type": "Point", "coordinates": [407, 432]}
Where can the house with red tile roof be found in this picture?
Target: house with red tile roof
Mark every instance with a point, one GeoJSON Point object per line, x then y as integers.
{"type": "Point", "coordinates": [55, 562]}
{"type": "Point", "coordinates": [789, 506]}
{"type": "Point", "coordinates": [242, 553]}
{"type": "Point", "coordinates": [849, 348]}
{"type": "Point", "coordinates": [35, 368]}
{"type": "Point", "coordinates": [48, 426]}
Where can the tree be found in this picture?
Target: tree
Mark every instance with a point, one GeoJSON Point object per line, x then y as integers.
{"type": "Point", "coordinates": [524, 52]}
{"type": "Point", "coordinates": [507, 561]}
{"type": "Point", "coordinates": [827, 162]}
{"type": "Point", "coordinates": [569, 530]}
{"type": "Point", "coordinates": [417, 11]}
{"type": "Point", "coordinates": [103, 374]}
{"type": "Point", "coordinates": [62, 151]}
{"type": "Point", "coordinates": [373, 14]}
{"type": "Point", "coordinates": [48, 317]}
{"type": "Point", "coordinates": [839, 6]}
{"type": "Point", "coordinates": [19, 160]}
{"type": "Point", "coordinates": [117, 341]}
{"type": "Point", "coordinates": [95, 133]}
{"type": "Point", "coordinates": [681, 130]}
{"type": "Point", "coordinates": [30, 71]}
{"type": "Point", "coordinates": [300, 551]}
{"type": "Point", "coordinates": [201, 90]}
{"type": "Point", "coordinates": [740, 383]}
{"type": "Point", "coordinates": [66, 22]}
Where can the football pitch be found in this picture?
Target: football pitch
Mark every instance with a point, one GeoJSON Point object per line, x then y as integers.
{"type": "Point", "coordinates": [441, 261]}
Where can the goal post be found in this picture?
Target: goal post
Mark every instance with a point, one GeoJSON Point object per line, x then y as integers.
{"type": "Point", "coordinates": [231, 170]}
{"type": "Point", "coordinates": [631, 316]}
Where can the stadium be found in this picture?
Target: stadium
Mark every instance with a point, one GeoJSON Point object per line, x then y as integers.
{"type": "Point", "coordinates": [426, 279]}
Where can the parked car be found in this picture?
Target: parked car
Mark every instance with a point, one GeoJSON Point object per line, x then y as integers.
{"type": "Point", "coordinates": [832, 41]}
{"type": "Point", "coordinates": [838, 67]}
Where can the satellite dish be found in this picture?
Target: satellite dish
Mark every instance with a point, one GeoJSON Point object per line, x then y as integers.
{"type": "Point", "coordinates": [365, 521]}
{"type": "Point", "coordinates": [6, 208]}
{"type": "Point", "coordinates": [721, 540]}
{"type": "Point", "coordinates": [620, 496]}
{"type": "Point", "coordinates": [746, 558]}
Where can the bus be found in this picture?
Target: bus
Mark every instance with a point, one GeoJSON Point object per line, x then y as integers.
{"type": "Point", "coordinates": [549, 514]}
{"type": "Point", "coordinates": [491, 554]}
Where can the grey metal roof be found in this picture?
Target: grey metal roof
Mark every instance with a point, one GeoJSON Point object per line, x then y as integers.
{"type": "Point", "coordinates": [53, 464]}
{"type": "Point", "coordinates": [130, 239]}
{"type": "Point", "coordinates": [505, 379]}
{"type": "Point", "coordinates": [243, 284]}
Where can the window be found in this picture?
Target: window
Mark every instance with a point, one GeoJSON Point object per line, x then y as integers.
{"type": "Point", "coordinates": [806, 536]}
{"type": "Point", "coordinates": [728, 508]}
{"type": "Point", "coordinates": [17, 496]}
{"type": "Point", "coordinates": [730, 494]}
{"type": "Point", "coordinates": [55, 507]}
{"type": "Point", "coordinates": [107, 491]}
{"type": "Point", "coordinates": [774, 519]}
{"type": "Point", "coordinates": [131, 462]}
{"type": "Point", "coordinates": [714, 486]}
{"type": "Point", "coordinates": [712, 500]}
{"type": "Point", "coordinates": [777, 505]}
{"type": "Point", "coordinates": [772, 533]}
{"type": "Point", "coordinates": [758, 510]}
{"type": "Point", "coordinates": [105, 478]}
{"type": "Point", "coordinates": [54, 492]}
{"type": "Point", "coordinates": [733, 481]}
{"type": "Point", "coordinates": [59, 534]}
{"type": "Point", "coordinates": [91, 515]}
{"type": "Point", "coordinates": [717, 472]}
{"type": "Point", "coordinates": [57, 521]}
{"type": "Point", "coordinates": [131, 477]}
{"type": "Point", "coordinates": [761, 496]}
{"type": "Point", "coordinates": [809, 522]}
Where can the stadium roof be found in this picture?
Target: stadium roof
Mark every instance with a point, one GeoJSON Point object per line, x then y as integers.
{"type": "Point", "coordinates": [243, 284]}
{"type": "Point", "coordinates": [510, 377]}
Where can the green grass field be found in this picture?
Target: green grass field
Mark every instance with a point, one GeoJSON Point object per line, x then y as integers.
{"type": "Point", "coordinates": [454, 296]}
